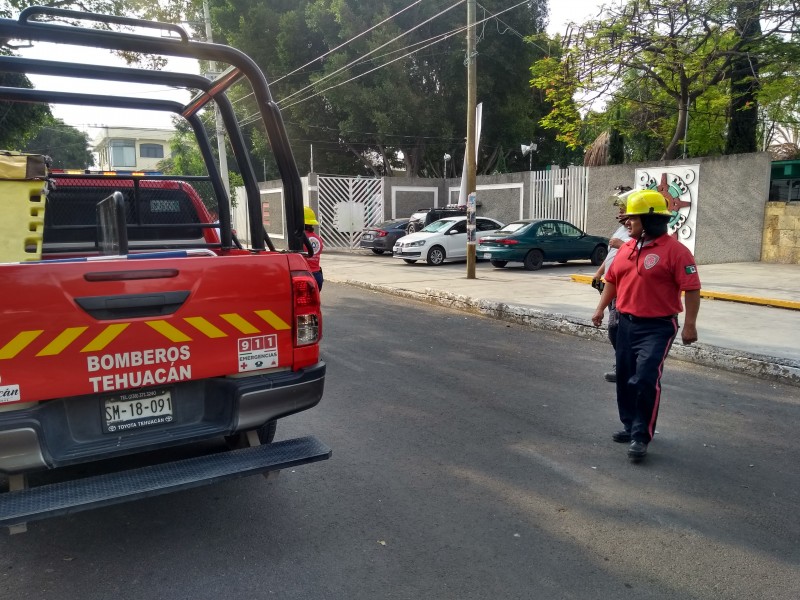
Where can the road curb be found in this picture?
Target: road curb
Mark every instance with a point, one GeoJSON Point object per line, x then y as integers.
{"type": "Point", "coordinates": [755, 365]}
{"type": "Point", "coordinates": [741, 298]}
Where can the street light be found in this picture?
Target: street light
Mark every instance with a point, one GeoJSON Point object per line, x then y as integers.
{"type": "Point", "coordinates": [447, 195]}
{"type": "Point", "coordinates": [528, 151]}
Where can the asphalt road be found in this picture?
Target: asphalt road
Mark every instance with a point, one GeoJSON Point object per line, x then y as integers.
{"type": "Point", "coordinates": [471, 459]}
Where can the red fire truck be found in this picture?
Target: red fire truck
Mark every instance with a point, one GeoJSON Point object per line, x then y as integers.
{"type": "Point", "coordinates": [131, 324]}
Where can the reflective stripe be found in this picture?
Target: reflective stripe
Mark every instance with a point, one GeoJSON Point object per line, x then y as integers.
{"type": "Point", "coordinates": [19, 343]}
{"type": "Point", "coordinates": [64, 339]}
{"type": "Point", "coordinates": [274, 320]}
{"type": "Point", "coordinates": [98, 337]}
{"type": "Point", "coordinates": [170, 332]}
{"type": "Point", "coordinates": [204, 326]}
{"type": "Point", "coordinates": [108, 335]}
{"type": "Point", "coordinates": [240, 323]}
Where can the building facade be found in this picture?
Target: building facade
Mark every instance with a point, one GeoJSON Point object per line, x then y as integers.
{"type": "Point", "coordinates": [131, 148]}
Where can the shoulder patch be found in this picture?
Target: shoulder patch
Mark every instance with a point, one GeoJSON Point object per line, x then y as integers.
{"type": "Point", "coordinates": [691, 269]}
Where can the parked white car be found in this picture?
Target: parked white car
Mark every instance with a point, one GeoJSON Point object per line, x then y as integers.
{"type": "Point", "coordinates": [442, 240]}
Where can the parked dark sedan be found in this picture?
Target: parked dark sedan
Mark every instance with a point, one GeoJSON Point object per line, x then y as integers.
{"type": "Point", "coordinates": [381, 238]}
{"type": "Point", "coordinates": [533, 242]}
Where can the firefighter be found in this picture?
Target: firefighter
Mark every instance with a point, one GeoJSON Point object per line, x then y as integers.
{"type": "Point", "coordinates": [309, 220]}
{"type": "Point", "coordinates": [618, 239]}
{"type": "Point", "coordinates": [647, 278]}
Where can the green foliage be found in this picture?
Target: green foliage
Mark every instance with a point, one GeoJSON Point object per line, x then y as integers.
{"type": "Point", "coordinates": [18, 121]}
{"type": "Point", "coordinates": [185, 157]}
{"type": "Point", "coordinates": [366, 115]}
{"type": "Point", "coordinates": [66, 145]}
{"type": "Point", "coordinates": [677, 54]}
{"type": "Point", "coordinates": [558, 82]}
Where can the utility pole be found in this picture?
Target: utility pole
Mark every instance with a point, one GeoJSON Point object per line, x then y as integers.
{"type": "Point", "coordinates": [472, 93]}
{"type": "Point", "coordinates": [218, 126]}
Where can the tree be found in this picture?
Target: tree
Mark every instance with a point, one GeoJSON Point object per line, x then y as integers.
{"type": "Point", "coordinates": [365, 114]}
{"type": "Point", "coordinates": [684, 48]}
{"type": "Point", "coordinates": [744, 71]}
{"type": "Point", "coordinates": [18, 119]}
{"type": "Point", "coordinates": [66, 145]}
{"type": "Point", "coordinates": [185, 157]}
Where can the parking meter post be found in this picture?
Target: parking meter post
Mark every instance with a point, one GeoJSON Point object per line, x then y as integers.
{"type": "Point", "coordinates": [471, 254]}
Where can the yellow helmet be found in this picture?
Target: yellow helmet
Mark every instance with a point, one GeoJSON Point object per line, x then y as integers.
{"type": "Point", "coordinates": [646, 202]}
{"type": "Point", "coordinates": [620, 199]}
{"type": "Point", "coordinates": [309, 218]}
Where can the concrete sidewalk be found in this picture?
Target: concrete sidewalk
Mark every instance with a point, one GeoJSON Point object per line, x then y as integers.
{"type": "Point", "coordinates": [749, 335]}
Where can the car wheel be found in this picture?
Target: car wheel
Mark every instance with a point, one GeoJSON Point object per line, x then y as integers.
{"type": "Point", "coordinates": [534, 260]}
{"type": "Point", "coordinates": [266, 433]}
{"type": "Point", "coordinates": [376, 251]}
{"type": "Point", "coordinates": [499, 264]}
{"type": "Point", "coordinates": [436, 256]}
{"type": "Point", "coordinates": [412, 228]}
{"type": "Point", "coordinates": [598, 255]}
{"type": "Point", "coordinates": [408, 261]}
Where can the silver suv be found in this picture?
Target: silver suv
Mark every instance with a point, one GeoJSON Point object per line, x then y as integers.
{"type": "Point", "coordinates": [426, 216]}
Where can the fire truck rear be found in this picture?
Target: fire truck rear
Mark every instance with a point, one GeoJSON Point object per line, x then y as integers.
{"type": "Point", "coordinates": [132, 323]}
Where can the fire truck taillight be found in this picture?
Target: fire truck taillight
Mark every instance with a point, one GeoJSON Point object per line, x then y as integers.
{"type": "Point", "coordinates": [306, 308]}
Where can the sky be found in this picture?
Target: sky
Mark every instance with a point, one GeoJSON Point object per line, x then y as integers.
{"type": "Point", "coordinates": [564, 11]}
{"type": "Point", "coordinates": [91, 119]}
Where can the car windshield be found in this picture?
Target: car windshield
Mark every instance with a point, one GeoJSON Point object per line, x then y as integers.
{"type": "Point", "coordinates": [389, 224]}
{"type": "Point", "coordinates": [437, 226]}
{"type": "Point", "coordinates": [512, 227]}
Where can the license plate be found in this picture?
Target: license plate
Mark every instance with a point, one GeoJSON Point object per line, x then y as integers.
{"type": "Point", "coordinates": [366, 236]}
{"type": "Point", "coordinates": [135, 410]}
{"type": "Point", "coordinates": [487, 255]}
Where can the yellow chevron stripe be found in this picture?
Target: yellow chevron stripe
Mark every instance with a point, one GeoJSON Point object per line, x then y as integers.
{"type": "Point", "coordinates": [240, 323]}
{"type": "Point", "coordinates": [204, 326]}
{"type": "Point", "coordinates": [168, 331]}
{"type": "Point", "coordinates": [274, 320]}
{"type": "Point", "coordinates": [104, 339]}
{"type": "Point", "coordinates": [64, 339]}
{"type": "Point", "coordinates": [19, 343]}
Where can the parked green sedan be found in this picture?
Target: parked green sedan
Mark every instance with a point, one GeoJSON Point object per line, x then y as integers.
{"type": "Point", "coordinates": [536, 241]}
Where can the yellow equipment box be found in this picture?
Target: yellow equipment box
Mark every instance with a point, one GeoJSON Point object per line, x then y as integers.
{"type": "Point", "coordinates": [23, 192]}
{"type": "Point", "coordinates": [17, 165]}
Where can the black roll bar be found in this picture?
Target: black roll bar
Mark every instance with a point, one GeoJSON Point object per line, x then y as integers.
{"type": "Point", "coordinates": [33, 11]}
{"type": "Point", "coordinates": [25, 28]}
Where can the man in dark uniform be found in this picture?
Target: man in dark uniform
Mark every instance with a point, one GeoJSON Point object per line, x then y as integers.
{"type": "Point", "coordinates": [618, 239]}
{"type": "Point", "coordinates": [647, 278]}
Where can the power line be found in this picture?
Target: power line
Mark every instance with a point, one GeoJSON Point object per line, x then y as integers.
{"type": "Point", "coordinates": [436, 41]}
{"type": "Point", "coordinates": [352, 63]}
{"type": "Point", "coordinates": [438, 38]}
{"type": "Point", "coordinates": [340, 46]}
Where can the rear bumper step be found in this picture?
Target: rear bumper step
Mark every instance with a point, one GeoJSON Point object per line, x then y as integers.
{"type": "Point", "coordinates": [154, 480]}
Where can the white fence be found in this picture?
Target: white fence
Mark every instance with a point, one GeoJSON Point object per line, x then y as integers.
{"type": "Point", "coordinates": [346, 206]}
{"type": "Point", "coordinates": [560, 194]}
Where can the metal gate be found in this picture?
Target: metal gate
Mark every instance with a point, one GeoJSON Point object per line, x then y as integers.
{"type": "Point", "coordinates": [560, 194]}
{"type": "Point", "coordinates": [346, 206]}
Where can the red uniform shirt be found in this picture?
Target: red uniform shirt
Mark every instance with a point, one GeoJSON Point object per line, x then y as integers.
{"type": "Point", "coordinates": [316, 245]}
{"type": "Point", "coordinates": [650, 280]}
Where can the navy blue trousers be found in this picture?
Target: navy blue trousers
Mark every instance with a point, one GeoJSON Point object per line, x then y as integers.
{"type": "Point", "coordinates": [642, 348]}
